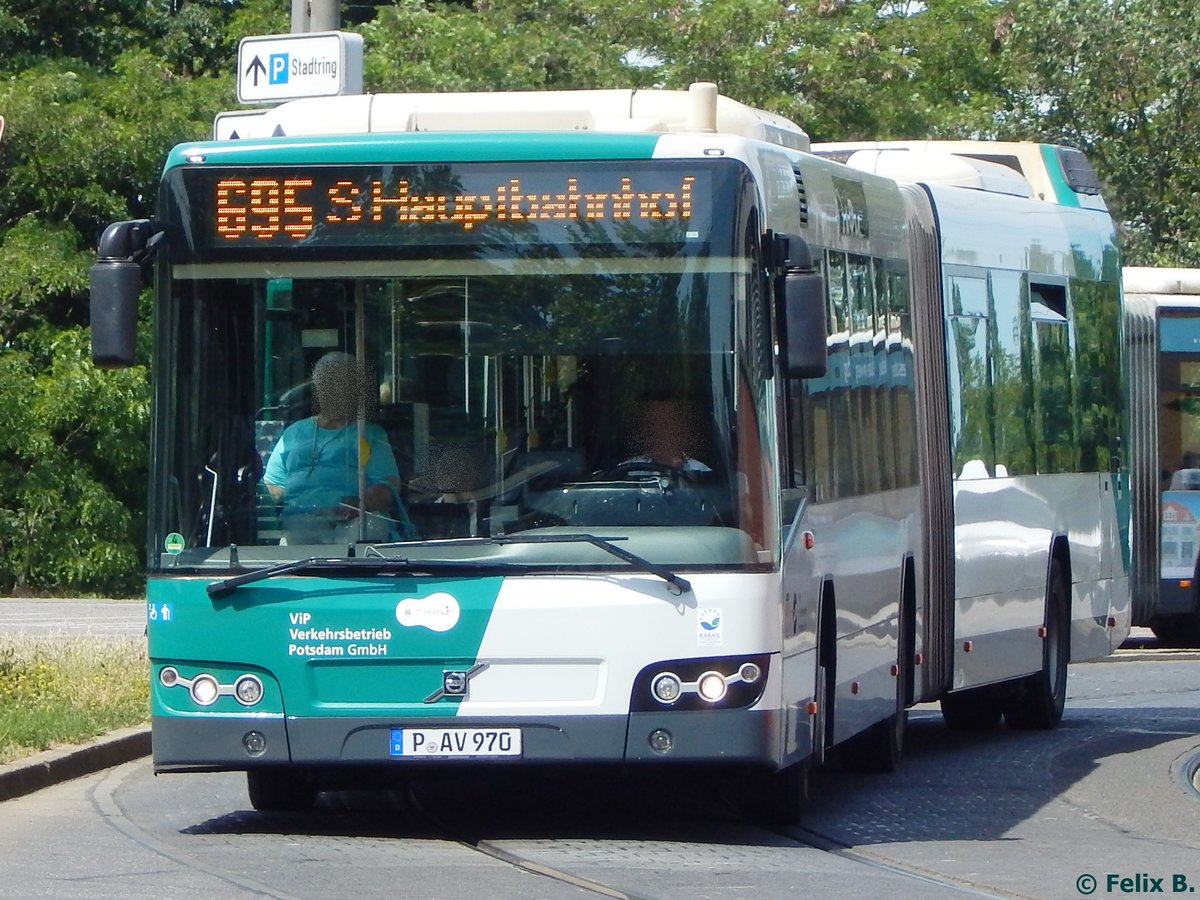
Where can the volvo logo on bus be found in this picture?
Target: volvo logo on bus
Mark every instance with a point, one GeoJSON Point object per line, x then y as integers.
{"type": "Point", "coordinates": [455, 682]}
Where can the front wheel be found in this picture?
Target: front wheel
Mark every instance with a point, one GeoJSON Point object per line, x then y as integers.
{"type": "Point", "coordinates": [1038, 701]}
{"type": "Point", "coordinates": [776, 798]}
{"type": "Point", "coordinates": [280, 789]}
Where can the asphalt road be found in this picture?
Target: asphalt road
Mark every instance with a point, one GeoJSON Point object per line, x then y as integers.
{"type": "Point", "coordinates": [95, 618]}
{"type": "Point", "coordinates": [1108, 796]}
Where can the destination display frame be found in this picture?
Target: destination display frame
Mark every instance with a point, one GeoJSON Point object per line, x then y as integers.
{"type": "Point", "coordinates": [238, 212]}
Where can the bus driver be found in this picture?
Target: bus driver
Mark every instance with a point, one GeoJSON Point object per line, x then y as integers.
{"type": "Point", "coordinates": [313, 469]}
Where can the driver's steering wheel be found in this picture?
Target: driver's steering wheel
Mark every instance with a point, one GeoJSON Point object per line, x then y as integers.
{"type": "Point", "coordinates": [639, 468]}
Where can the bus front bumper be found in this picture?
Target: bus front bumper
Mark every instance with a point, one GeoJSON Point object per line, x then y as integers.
{"type": "Point", "coordinates": [723, 737]}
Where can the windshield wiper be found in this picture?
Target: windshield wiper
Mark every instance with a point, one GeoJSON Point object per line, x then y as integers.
{"type": "Point", "coordinates": [226, 586]}
{"type": "Point", "coordinates": [375, 560]}
{"type": "Point", "coordinates": [678, 585]}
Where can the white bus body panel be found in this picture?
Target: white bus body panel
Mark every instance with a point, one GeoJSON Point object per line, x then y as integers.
{"type": "Point", "coordinates": [606, 629]}
{"type": "Point", "coordinates": [1004, 526]}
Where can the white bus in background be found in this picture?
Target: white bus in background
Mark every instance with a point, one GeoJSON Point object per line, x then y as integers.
{"type": "Point", "coordinates": [1162, 307]}
{"type": "Point", "coordinates": [1021, 419]}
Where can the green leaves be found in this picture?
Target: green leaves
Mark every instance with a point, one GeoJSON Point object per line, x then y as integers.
{"type": "Point", "coordinates": [72, 468]}
{"type": "Point", "coordinates": [95, 95]}
{"type": "Point", "coordinates": [1121, 81]}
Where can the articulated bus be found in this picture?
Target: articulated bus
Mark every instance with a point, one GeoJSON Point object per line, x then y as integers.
{"type": "Point", "coordinates": [1163, 332]}
{"type": "Point", "coordinates": [673, 443]}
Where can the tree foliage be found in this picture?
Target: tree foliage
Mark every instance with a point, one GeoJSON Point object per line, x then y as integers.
{"type": "Point", "coordinates": [1120, 79]}
{"type": "Point", "coordinates": [95, 94]}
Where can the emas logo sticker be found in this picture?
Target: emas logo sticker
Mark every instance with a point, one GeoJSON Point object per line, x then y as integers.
{"type": "Point", "coordinates": [708, 628]}
{"type": "Point", "coordinates": [437, 612]}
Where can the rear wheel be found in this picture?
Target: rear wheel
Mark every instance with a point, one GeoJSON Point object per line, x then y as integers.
{"type": "Point", "coordinates": [281, 789]}
{"type": "Point", "coordinates": [1038, 700]}
{"type": "Point", "coordinates": [1177, 631]}
{"type": "Point", "coordinates": [978, 709]}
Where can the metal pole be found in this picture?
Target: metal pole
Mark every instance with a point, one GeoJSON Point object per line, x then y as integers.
{"type": "Point", "coordinates": [316, 15]}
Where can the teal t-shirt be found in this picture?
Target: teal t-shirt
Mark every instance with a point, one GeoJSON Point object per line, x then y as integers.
{"type": "Point", "coordinates": [317, 467]}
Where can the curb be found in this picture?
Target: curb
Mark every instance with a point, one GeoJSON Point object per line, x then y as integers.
{"type": "Point", "coordinates": [54, 766]}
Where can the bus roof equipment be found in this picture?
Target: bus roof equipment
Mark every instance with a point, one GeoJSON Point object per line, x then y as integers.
{"type": "Point", "coordinates": [699, 109]}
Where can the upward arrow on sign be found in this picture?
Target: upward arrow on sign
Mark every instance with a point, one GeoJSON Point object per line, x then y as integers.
{"type": "Point", "coordinates": [256, 66]}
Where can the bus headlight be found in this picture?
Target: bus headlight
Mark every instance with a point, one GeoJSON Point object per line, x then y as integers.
{"type": "Point", "coordinates": [711, 686]}
{"type": "Point", "coordinates": [702, 683]}
{"type": "Point", "coordinates": [667, 687]}
{"type": "Point", "coordinates": [205, 690]}
{"type": "Point", "coordinates": [248, 690]}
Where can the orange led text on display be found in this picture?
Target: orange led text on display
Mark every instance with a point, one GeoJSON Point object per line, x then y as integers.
{"type": "Point", "coordinates": [269, 208]}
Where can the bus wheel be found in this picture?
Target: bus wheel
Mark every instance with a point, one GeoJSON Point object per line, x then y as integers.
{"type": "Point", "coordinates": [978, 709]}
{"type": "Point", "coordinates": [879, 748]}
{"type": "Point", "coordinates": [1177, 631]}
{"type": "Point", "coordinates": [281, 789]}
{"type": "Point", "coordinates": [776, 798]}
{"type": "Point", "coordinates": [1037, 701]}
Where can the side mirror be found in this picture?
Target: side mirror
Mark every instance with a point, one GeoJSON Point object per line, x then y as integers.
{"type": "Point", "coordinates": [115, 286]}
{"type": "Point", "coordinates": [803, 349]}
{"type": "Point", "coordinates": [116, 281]}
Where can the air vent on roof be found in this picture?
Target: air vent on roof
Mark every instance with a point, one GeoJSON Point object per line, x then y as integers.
{"type": "Point", "coordinates": [1078, 171]}
{"type": "Point", "coordinates": [803, 194]}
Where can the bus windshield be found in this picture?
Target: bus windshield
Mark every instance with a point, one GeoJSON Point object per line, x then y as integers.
{"type": "Point", "coordinates": [395, 375]}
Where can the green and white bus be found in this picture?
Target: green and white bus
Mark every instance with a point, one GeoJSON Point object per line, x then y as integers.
{"type": "Point", "coordinates": [673, 443]}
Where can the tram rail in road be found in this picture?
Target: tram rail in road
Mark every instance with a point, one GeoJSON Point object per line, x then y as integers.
{"type": "Point", "coordinates": [975, 815]}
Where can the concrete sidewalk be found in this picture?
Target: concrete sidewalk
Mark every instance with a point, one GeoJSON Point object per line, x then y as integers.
{"type": "Point", "coordinates": [53, 766]}
{"type": "Point", "coordinates": [98, 619]}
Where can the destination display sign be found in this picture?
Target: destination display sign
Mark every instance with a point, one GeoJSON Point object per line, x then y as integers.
{"type": "Point", "coordinates": [395, 205]}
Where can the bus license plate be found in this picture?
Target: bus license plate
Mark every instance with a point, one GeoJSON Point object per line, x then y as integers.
{"type": "Point", "coordinates": [455, 743]}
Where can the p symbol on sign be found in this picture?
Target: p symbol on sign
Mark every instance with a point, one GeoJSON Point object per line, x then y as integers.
{"type": "Point", "coordinates": [279, 68]}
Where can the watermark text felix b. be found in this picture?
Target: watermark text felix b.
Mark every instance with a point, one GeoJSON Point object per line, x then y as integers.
{"type": "Point", "coordinates": [1139, 883]}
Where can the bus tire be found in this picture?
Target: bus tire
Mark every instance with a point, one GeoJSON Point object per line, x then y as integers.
{"type": "Point", "coordinates": [1038, 701]}
{"type": "Point", "coordinates": [776, 798]}
{"type": "Point", "coordinates": [879, 748]}
{"type": "Point", "coordinates": [279, 789]}
{"type": "Point", "coordinates": [978, 709]}
{"type": "Point", "coordinates": [1177, 631]}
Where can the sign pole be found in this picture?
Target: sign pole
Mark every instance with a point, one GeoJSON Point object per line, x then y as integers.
{"type": "Point", "coordinates": [316, 15]}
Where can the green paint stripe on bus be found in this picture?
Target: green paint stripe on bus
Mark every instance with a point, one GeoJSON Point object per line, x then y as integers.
{"type": "Point", "coordinates": [412, 147]}
{"type": "Point", "coordinates": [1064, 193]}
{"type": "Point", "coordinates": [349, 646]}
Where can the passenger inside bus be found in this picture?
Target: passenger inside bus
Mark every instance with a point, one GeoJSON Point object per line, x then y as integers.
{"type": "Point", "coordinates": [313, 470]}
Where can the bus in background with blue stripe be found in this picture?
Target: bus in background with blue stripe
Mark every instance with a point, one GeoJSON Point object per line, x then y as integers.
{"type": "Point", "coordinates": [670, 443]}
{"type": "Point", "coordinates": [1163, 331]}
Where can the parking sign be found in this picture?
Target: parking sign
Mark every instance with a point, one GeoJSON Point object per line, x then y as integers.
{"type": "Point", "coordinates": [274, 68]}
